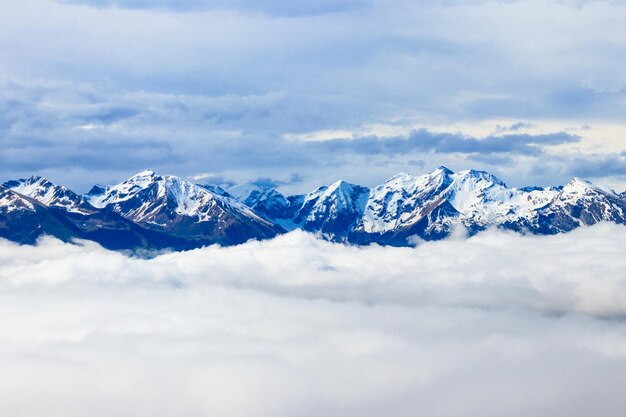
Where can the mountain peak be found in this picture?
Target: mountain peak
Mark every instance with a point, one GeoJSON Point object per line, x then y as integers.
{"type": "Point", "coordinates": [399, 176]}
{"type": "Point", "coordinates": [97, 189]}
{"type": "Point", "coordinates": [341, 185]}
{"type": "Point", "coordinates": [579, 186]}
{"type": "Point", "coordinates": [11, 201]}
{"type": "Point", "coordinates": [36, 178]}
{"type": "Point", "coordinates": [332, 210]}
{"type": "Point", "coordinates": [145, 176]}
{"type": "Point", "coordinates": [32, 180]}
{"type": "Point", "coordinates": [428, 205]}
{"type": "Point", "coordinates": [444, 169]}
{"type": "Point", "coordinates": [480, 175]}
{"type": "Point", "coordinates": [580, 182]}
{"type": "Point", "coordinates": [49, 194]}
{"type": "Point", "coordinates": [145, 173]}
{"type": "Point", "coordinates": [187, 210]}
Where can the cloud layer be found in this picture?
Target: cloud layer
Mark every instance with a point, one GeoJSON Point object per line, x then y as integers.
{"type": "Point", "coordinates": [214, 86]}
{"type": "Point", "coordinates": [517, 325]}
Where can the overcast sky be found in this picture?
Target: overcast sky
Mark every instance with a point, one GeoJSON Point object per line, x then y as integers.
{"type": "Point", "coordinates": [305, 93]}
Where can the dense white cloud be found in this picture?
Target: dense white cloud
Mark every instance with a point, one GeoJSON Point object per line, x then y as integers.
{"type": "Point", "coordinates": [495, 325]}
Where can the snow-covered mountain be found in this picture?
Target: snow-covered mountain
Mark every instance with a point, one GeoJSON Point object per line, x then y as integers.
{"type": "Point", "coordinates": [332, 211]}
{"type": "Point", "coordinates": [24, 219]}
{"type": "Point", "coordinates": [267, 202]}
{"type": "Point", "coordinates": [50, 194]}
{"type": "Point", "coordinates": [18, 217]}
{"type": "Point", "coordinates": [173, 205]}
{"type": "Point", "coordinates": [432, 205]}
{"type": "Point", "coordinates": [329, 211]}
{"type": "Point", "coordinates": [580, 203]}
{"type": "Point", "coordinates": [11, 201]}
{"type": "Point", "coordinates": [215, 189]}
{"type": "Point", "coordinates": [32, 207]}
{"type": "Point", "coordinates": [408, 205]}
{"type": "Point", "coordinates": [160, 211]}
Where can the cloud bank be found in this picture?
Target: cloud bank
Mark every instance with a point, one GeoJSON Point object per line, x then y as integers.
{"type": "Point", "coordinates": [295, 326]}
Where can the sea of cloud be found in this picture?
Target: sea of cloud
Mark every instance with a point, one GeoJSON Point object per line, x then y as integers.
{"type": "Point", "coordinates": [495, 325]}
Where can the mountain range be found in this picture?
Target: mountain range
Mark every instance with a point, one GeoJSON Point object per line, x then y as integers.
{"type": "Point", "coordinates": [153, 212]}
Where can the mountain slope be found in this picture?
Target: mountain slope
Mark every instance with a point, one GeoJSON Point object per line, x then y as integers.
{"type": "Point", "coordinates": [267, 202]}
{"type": "Point", "coordinates": [172, 205]}
{"type": "Point", "coordinates": [50, 194]}
{"type": "Point", "coordinates": [432, 205]}
{"type": "Point", "coordinates": [332, 211]}
{"type": "Point", "coordinates": [23, 219]}
{"type": "Point", "coordinates": [403, 201]}
{"type": "Point", "coordinates": [60, 212]}
{"type": "Point", "coordinates": [577, 204]}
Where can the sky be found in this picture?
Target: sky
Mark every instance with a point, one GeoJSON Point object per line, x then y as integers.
{"type": "Point", "coordinates": [267, 329]}
{"type": "Point", "coordinates": [304, 93]}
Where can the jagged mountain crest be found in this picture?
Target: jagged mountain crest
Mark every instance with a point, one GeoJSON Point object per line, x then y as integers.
{"type": "Point", "coordinates": [184, 209]}
{"type": "Point", "coordinates": [265, 200]}
{"type": "Point", "coordinates": [332, 210]}
{"type": "Point", "coordinates": [46, 211]}
{"type": "Point", "coordinates": [404, 199]}
{"type": "Point", "coordinates": [158, 211]}
{"type": "Point", "coordinates": [12, 201]}
{"type": "Point", "coordinates": [215, 189]}
{"type": "Point", "coordinates": [24, 219]}
{"type": "Point", "coordinates": [50, 194]}
{"type": "Point", "coordinates": [581, 203]}
{"type": "Point", "coordinates": [431, 205]}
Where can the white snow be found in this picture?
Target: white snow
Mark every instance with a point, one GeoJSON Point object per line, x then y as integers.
{"type": "Point", "coordinates": [10, 201]}
{"type": "Point", "coordinates": [331, 201]}
{"type": "Point", "coordinates": [184, 197]}
{"type": "Point", "coordinates": [49, 194]}
{"type": "Point", "coordinates": [479, 197]}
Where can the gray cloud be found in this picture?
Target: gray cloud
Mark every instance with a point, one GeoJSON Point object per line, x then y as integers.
{"type": "Point", "coordinates": [298, 326]}
{"type": "Point", "coordinates": [597, 166]}
{"type": "Point", "coordinates": [514, 127]}
{"type": "Point", "coordinates": [270, 182]}
{"type": "Point", "coordinates": [215, 86]}
{"type": "Point", "coordinates": [105, 136]}
{"type": "Point", "coordinates": [425, 141]}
